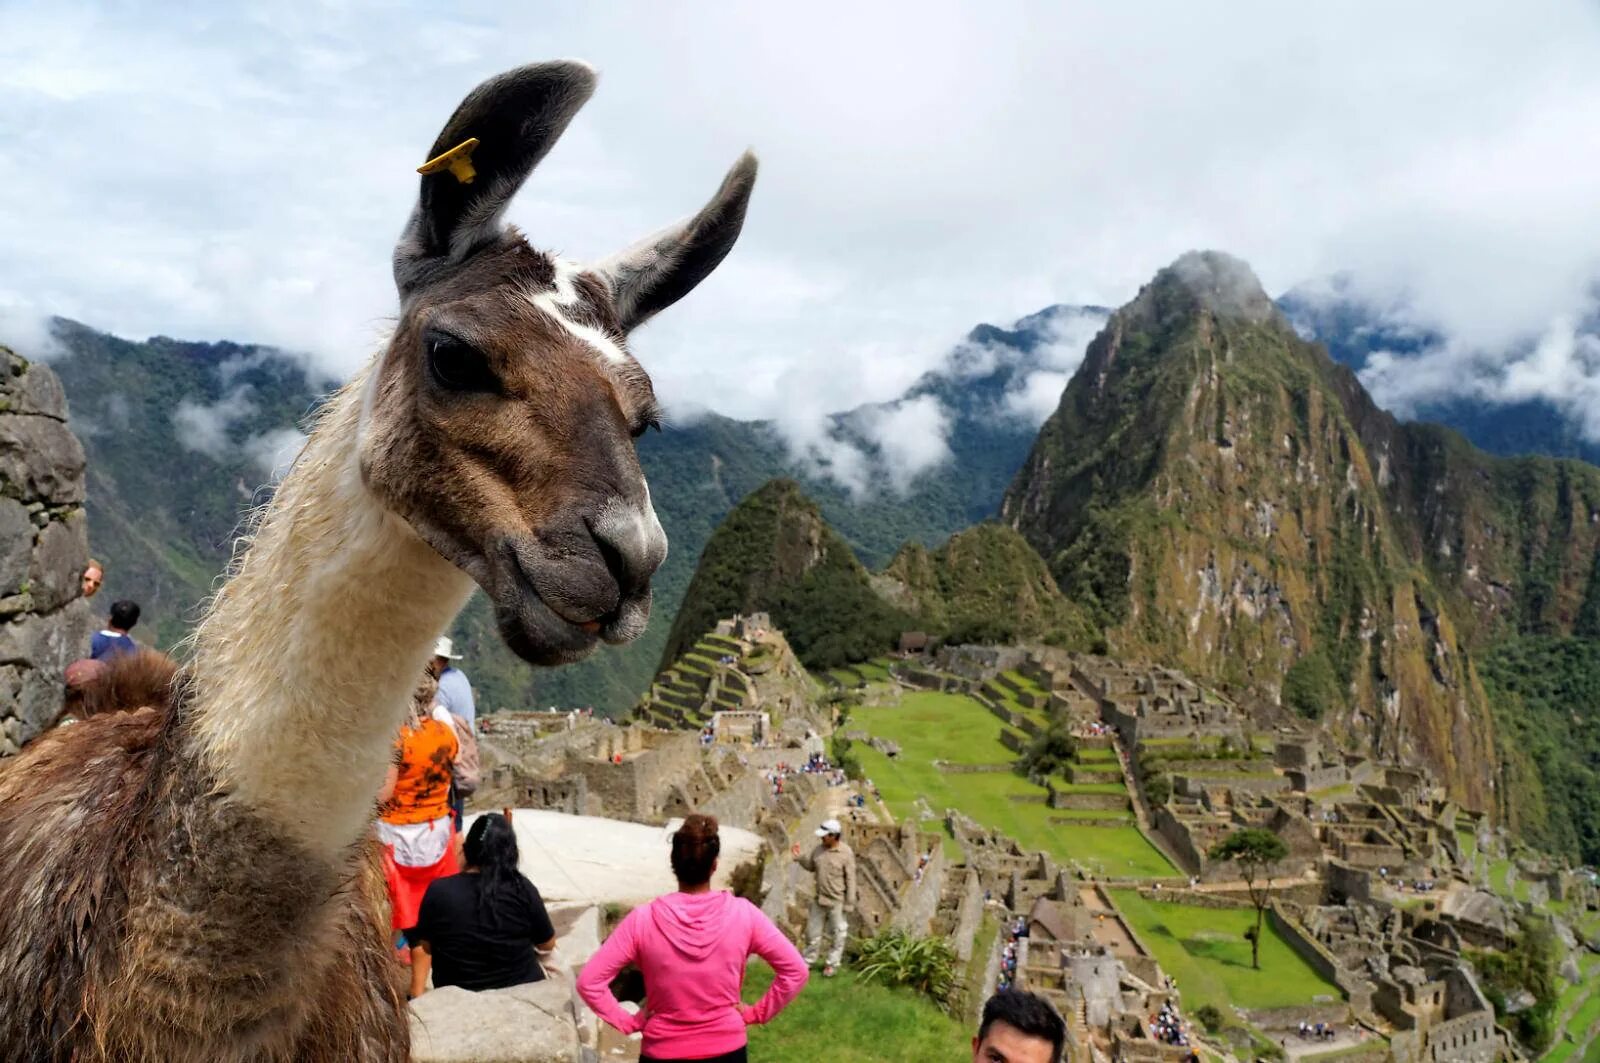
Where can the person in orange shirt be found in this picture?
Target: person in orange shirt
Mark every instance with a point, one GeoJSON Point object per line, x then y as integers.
{"type": "Point", "coordinates": [414, 821]}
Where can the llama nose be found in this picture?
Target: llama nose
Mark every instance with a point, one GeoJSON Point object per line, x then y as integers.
{"type": "Point", "coordinates": [631, 540]}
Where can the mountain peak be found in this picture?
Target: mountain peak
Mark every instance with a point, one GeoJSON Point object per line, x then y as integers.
{"type": "Point", "coordinates": [1218, 282]}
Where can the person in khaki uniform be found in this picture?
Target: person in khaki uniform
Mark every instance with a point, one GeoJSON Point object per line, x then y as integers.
{"type": "Point", "coordinates": [835, 868]}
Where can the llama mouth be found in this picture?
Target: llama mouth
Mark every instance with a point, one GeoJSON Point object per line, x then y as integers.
{"type": "Point", "coordinates": [540, 634]}
{"type": "Point", "coordinates": [537, 633]}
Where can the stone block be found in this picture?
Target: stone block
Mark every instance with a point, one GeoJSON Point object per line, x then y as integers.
{"type": "Point", "coordinates": [55, 576]}
{"type": "Point", "coordinates": [531, 1023]}
{"type": "Point", "coordinates": [16, 545]}
{"type": "Point", "coordinates": [36, 390]}
{"type": "Point", "coordinates": [40, 459]}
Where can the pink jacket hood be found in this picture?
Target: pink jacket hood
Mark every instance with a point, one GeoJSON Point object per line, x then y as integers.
{"type": "Point", "coordinates": [692, 923]}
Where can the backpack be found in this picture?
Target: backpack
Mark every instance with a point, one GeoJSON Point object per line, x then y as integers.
{"type": "Point", "coordinates": [467, 769]}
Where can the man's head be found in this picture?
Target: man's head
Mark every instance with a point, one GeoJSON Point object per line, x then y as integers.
{"type": "Point", "coordinates": [444, 652]}
{"type": "Point", "coordinates": [1019, 1027]}
{"type": "Point", "coordinates": [93, 575]}
{"type": "Point", "coordinates": [124, 614]}
{"type": "Point", "coordinates": [829, 832]}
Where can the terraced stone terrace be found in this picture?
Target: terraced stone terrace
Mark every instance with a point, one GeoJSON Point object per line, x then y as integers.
{"type": "Point", "coordinates": [951, 756]}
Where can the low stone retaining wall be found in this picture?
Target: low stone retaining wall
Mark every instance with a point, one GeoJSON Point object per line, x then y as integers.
{"type": "Point", "coordinates": [1089, 802]}
{"type": "Point", "coordinates": [1088, 821]}
{"type": "Point", "coordinates": [946, 768]}
{"type": "Point", "coordinates": [1194, 899]}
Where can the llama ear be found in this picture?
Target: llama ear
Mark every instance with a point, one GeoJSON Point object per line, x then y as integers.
{"type": "Point", "coordinates": [661, 269]}
{"type": "Point", "coordinates": [487, 149]}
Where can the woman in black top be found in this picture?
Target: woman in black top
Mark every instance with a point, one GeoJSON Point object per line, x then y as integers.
{"type": "Point", "coordinates": [480, 929]}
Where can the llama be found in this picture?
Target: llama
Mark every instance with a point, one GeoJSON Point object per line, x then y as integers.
{"type": "Point", "coordinates": [193, 878]}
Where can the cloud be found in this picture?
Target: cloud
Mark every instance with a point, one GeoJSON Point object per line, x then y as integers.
{"type": "Point", "coordinates": [274, 452]}
{"type": "Point", "coordinates": [207, 428]}
{"type": "Point", "coordinates": [1561, 367]}
{"type": "Point", "coordinates": [1038, 397]}
{"type": "Point", "coordinates": [941, 164]}
{"type": "Point", "coordinates": [26, 329]}
{"type": "Point", "coordinates": [910, 437]}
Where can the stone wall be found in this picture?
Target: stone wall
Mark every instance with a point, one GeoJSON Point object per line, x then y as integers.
{"type": "Point", "coordinates": [1356, 990]}
{"type": "Point", "coordinates": [969, 914]}
{"type": "Point", "coordinates": [44, 546]}
{"type": "Point", "coordinates": [920, 902]}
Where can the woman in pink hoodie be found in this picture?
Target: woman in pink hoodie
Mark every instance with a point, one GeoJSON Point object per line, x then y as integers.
{"type": "Point", "coordinates": [691, 947]}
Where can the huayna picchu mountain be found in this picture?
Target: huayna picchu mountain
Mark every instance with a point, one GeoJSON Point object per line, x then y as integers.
{"type": "Point", "coordinates": [1221, 495]}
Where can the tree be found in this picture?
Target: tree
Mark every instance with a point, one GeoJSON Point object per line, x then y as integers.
{"type": "Point", "coordinates": [1254, 851]}
{"type": "Point", "coordinates": [1050, 752]}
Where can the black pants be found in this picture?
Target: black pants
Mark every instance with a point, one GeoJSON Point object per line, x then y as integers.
{"type": "Point", "coordinates": [736, 1056]}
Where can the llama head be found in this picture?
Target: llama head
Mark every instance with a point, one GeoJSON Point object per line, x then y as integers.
{"type": "Point", "coordinates": [500, 421]}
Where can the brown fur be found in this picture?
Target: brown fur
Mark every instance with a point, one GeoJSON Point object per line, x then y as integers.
{"type": "Point", "coordinates": [239, 946]}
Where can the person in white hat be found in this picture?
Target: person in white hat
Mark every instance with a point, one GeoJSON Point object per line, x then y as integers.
{"type": "Point", "coordinates": [835, 868]}
{"type": "Point", "coordinates": [455, 693]}
{"type": "Point", "coordinates": [455, 697]}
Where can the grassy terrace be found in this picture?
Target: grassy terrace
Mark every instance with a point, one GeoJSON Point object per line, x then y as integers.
{"type": "Point", "coordinates": [956, 729]}
{"type": "Point", "coordinates": [1580, 1005]}
{"type": "Point", "coordinates": [851, 1021]}
{"type": "Point", "coordinates": [1206, 951]}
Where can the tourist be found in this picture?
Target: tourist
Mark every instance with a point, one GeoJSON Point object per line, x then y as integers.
{"type": "Point", "coordinates": [1019, 1027]}
{"type": "Point", "coordinates": [94, 574]}
{"type": "Point", "coordinates": [691, 947]}
{"type": "Point", "coordinates": [486, 927]}
{"type": "Point", "coordinates": [113, 641]}
{"type": "Point", "coordinates": [414, 821]}
{"type": "Point", "coordinates": [455, 693]}
{"type": "Point", "coordinates": [835, 868]}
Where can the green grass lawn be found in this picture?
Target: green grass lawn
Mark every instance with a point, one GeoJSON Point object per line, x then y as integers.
{"type": "Point", "coordinates": [1205, 950]}
{"type": "Point", "coordinates": [1587, 1015]}
{"type": "Point", "coordinates": [1498, 870]}
{"type": "Point", "coordinates": [850, 1021]}
{"type": "Point", "coordinates": [871, 671]}
{"type": "Point", "coordinates": [956, 729]}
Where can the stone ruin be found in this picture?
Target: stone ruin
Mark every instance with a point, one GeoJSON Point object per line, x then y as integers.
{"type": "Point", "coordinates": [44, 546]}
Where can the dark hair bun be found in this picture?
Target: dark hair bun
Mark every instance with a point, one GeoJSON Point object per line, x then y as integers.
{"type": "Point", "coordinates": [695, 847]}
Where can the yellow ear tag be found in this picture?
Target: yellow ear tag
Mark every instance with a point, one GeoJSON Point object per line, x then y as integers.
{"type": "Point", "coordinates": [458, 160]}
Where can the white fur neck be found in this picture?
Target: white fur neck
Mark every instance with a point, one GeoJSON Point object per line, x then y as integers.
{"type": "Point", "coordinates": [305, 663]}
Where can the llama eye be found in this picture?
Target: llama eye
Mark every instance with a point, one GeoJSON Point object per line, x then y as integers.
{"type": "Point", "coordinates": [458, 366]}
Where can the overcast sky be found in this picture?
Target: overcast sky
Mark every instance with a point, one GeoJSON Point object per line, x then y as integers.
{"type": "Point", "coordinates": [241, 170]}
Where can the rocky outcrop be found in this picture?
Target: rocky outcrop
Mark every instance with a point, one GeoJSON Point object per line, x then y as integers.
{"type": "Point", "coordinates": [44, 545]}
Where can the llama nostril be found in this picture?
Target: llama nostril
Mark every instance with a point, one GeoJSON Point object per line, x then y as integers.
{"type": "Point", "coordinates": [630, 541]}
{"type": "Point", "coordinates": [616, 564]}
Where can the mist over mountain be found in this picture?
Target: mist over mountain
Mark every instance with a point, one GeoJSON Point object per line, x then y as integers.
{"type": "Point", "coordinates": [1537, 397]}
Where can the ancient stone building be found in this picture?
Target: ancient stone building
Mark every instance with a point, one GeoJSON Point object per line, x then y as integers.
{"type": "Point", "coordinates": [44, 545]}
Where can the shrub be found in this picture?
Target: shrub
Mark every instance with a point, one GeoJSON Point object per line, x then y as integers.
{"type": "Point", "coordinates": [1209, 1017]}
{"type": "Point", "coordinates": [1050, 752]}
{"type": "Point", "coordinates": [896, 958]}
{"type": "Point", "coordinates": [1158, 788]}
{"type": "Point", "coordinates": [846, 761]}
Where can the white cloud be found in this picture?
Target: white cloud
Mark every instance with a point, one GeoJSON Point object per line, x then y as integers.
{"type": "Point", "coordinates": [274, 452]}
{"type": "Point", "coordinates": [910, 437]}
{"type": "Point", "coordinates": [940, 164]}
{"type": "Point", "coordinates": [1039, 395]}
{"type": "Point", "coordinates": [26, 329]}
{"type": "Point", "coordinates": [1561, 366]}
{"type": "Point", "coordinates": [206, 428]}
